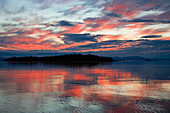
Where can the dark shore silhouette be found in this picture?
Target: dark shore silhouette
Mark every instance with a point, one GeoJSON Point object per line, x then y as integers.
{"type": "Point", "coordinates": [71, 58]}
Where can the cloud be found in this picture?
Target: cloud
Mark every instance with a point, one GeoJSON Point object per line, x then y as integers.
{"type": "Point", "coordinates": [147, 20]}
{"type": "Point", "coordinates": [44, 3]}
{"type": "Point", "coordinates": [113, 45]}
{"type": "Point", "coordinates": [37, 1]}
{"type": "Point", "coordinates": [146, 48]}
{"type": "Point", "coordinates": [154, 46]}
{"type": "Point", "coordinates": [75, 25]}
{"type": "Point", "coordinates": [78, 8]}
{"type": "Point", "coordinates": [80, 37]}
{"type": "Point", "coordinates": [65, 23]}
{"type": "Point", "coordinates": [22, 9]}
{"type": "Point", "coordinates": [2, 3]}
{"type": "Point", "coordinates": [113, 15]}
{"type": "Point", "coordinates": [7, 25]}
{"type": "Point", "coordinates": [17, 19]}
{"type": "Point", "coordinates": [149, 13]}
{"type": "Point", "coordinates": [152, 36]}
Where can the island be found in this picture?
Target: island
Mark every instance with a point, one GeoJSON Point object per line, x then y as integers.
{"type": "Point", "coordinates": [70, 58]}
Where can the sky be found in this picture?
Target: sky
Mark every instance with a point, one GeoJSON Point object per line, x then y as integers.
{"type": "Point", "coordinates": [101, 27]}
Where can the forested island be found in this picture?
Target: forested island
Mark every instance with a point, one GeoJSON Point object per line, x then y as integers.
{"type": "Point", "coordinates": [71, 58]}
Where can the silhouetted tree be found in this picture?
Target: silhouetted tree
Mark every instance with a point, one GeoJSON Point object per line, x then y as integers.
{"type": "Point", "coordinates": [62, 58]}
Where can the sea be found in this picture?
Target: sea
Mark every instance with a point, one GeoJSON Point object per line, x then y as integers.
{"type": "Point", "coordinates": [112, 87]}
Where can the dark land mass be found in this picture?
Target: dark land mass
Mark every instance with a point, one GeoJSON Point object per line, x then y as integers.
{"type": "Point", "coordinates": [133, 58]}
{"type": "Point", "coordinates": [2, 58]}
{"type": "Point", "coordinates": [71, 58]}
{"type": "Point", "coordinates": [138, 58]}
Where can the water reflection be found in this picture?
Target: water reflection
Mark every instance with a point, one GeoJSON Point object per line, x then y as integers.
{"type": "Point", "coordinates": [65, 64]}
{"type": "Point", "coordinates": [100, 88]}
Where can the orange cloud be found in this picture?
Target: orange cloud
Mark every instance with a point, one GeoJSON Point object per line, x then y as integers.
{"type": "Point", "coordinates": [108, 37]}
{"type": "Point", "coordinates": [123, 8]}
{"type": "Point", "coordinates": [78, 8]}
{"type": "Point", "coordinates": [73, 29]}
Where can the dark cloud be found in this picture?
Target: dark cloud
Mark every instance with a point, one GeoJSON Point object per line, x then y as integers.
{"type": "Point", "coordinates": [98, 18]}
{"type": "Point", "coordinates": [60, 23]}
{"type": "Point", "coordinates": [8, 25]}
{"type": "Point", "coordinates": [65, 23]}
{"type": "Point", "coordinates": [100, 44]}
{"type": "Point", "coordinates": [93, 25]}
{"type": "Point", "coordinates": [146, 20]}
{"type": "Point", "coordinates": [141, 20]}
{"type": "Point", "coordinates": [152, 36]}
{"type": "Point", "coordinates": [80, 37]}
{"type": "Point", "coordinates": [146, 48]}
{"type": "Point", "coordinates": [156, 43]}
{"type": "Point", "coordinates": [113, 15]}
{"type": "Point", "coordinates": [20, 32]}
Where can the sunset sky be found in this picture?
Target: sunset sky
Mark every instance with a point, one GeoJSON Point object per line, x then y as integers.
{"type": "Point", "coordinates": [102, 27]}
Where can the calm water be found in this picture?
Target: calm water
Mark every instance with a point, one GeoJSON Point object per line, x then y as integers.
{"type": "Point", "coordinates": [119, 87]}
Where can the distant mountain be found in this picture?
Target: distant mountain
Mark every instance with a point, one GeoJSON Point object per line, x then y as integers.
{"type": "Point", "coordinates": [2, 58]}
{"type": "Point", "coordinates": [62, 58]}
{"type": "Point", "coordinates": [130, 58]}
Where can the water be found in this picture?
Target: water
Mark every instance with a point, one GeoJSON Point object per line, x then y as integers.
{"type": "Point", "coordinates": [119, 87]}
